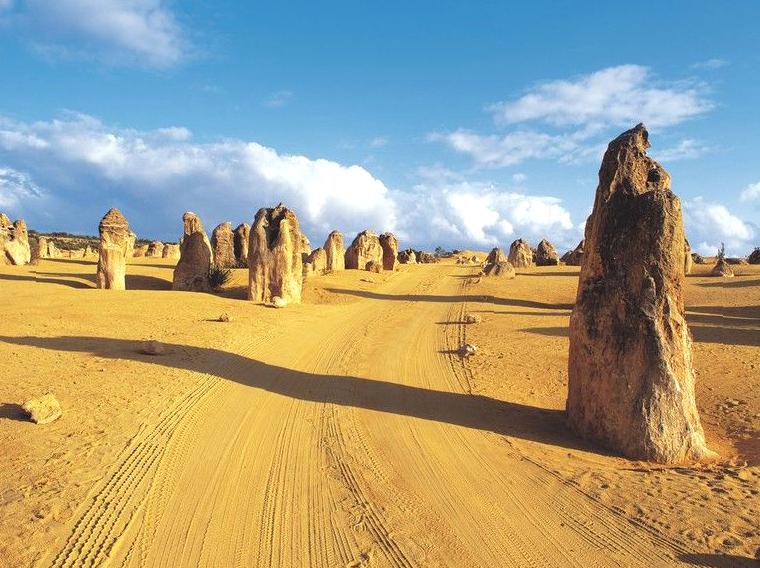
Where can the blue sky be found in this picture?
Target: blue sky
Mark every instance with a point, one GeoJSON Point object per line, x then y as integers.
{"type": "Point", "coordinates": [453, 123]}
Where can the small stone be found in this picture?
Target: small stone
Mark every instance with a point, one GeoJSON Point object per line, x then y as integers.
{"type": "Point", "coordinates": [225, 318]}
{"type": "Point", "coordinates": [43, 410]}
{"type": "Point", "coordinates": [467, 350]}
{"type": "Point", "coordinates": [278, 302]}
{"type": "Point", "coordinates": [153, 347]}
{"type": "Point", "coordinates": [472, 318]}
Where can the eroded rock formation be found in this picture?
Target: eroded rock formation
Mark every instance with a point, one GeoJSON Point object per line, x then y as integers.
{"type": "Point", "coordinates": [631, 381]}
{"type": "Point", "coordinates": [546, 254]}
{"type": "Point", "coordinates": [574, 257]}
{"type": "Point", "coordinates": [754, 256]}
{"type": "Point", "coordinates": [275, 262]}
{"type": "Point", "coordinates": [170, 251]}
{"type": "Point", "coordinates": [688, 261]}
{"type": "Point", "coordinates": [366, 247]}
{"type": "Point", "coordinates": [501, 269]}
{"type": "Point", "coordinates": [14, 241]}
{"type": "Point", "coordinates": [155, 250]}
{"type": "Point", "coordinates": [520, 254]}
{"type": "Point", "coordinates": [316, 262]}
{"type": "Point", "coordinates": [113, 249]}
{"type": "Point", "coordinates": [722, 269]}
{"type": "Point", "coordinates": [240, 240]}
{"type": "Point", "coordinates": [223, 245]}
{"type": "Point", "coordinates": [407, 257]}
{"type": "Point", "coordinates": [335, 252]}
{"type": "Point", "coordinates": [389, 243]}
{"type": "Point", "coordinates": [195, 256]}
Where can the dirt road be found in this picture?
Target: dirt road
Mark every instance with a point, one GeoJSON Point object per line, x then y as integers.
{"type": "Point", "coordinates": [346, 431]}
{"type": "Point", "coordinates": [347, 435]}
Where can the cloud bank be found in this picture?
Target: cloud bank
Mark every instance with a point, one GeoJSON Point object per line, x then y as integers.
{"type": "Point", "coordinates": [570, 120]}
{"type": "Point", "coordinates": [63, 174]}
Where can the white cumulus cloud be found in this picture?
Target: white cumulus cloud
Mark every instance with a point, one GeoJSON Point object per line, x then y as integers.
{"type": "Point", "coordinates": [751, 192]}
{"type": "Point", "coordinates": [615, 96]}
{"type": "Point", "coordinates": [87, 167]}
{"type": "Point", "coordinates": [709, 224]}
{"type": "Point", "coordinates": [137, 32]}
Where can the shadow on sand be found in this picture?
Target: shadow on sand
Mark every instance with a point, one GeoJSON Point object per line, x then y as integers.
{"type": "Point", "coordinates": [133, 281]}
{"type": "Point", "coordinates": [719, 560]}
{"type": "Point", "coordinates": [515, 302]}
{"type": "Point", "coordinates": [471, 411]}
{"type": "Point", "coordinates": [12, 411]}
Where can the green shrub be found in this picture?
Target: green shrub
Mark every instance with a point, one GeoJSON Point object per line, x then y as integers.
{"type": "Point", "coordinates": [218, 277]}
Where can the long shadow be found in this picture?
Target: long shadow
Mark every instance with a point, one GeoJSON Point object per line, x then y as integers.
{"type": "Point", "coordinates": [549, 331]}
{"type": "Point", "coordinates": [736, 282]}
{"type": "Point", "coordinates": [72, 261]}
{"type": "Point", "coordinates": [516, 302]}
{"type": "Point", "coordinates": [750, 312]}
{"type": "Point", "coordinates": [471, 411]}
{"type": "Point", "coordinates": [44, 280]}
{"type": "Point", "coordinates": [12, 411]}
{"type": "Point", "coordinates": [550, 273]}
{"type": "Point", "coordinates": [719, 560]}
{"type": "Point", "coordinates": [726, 335]}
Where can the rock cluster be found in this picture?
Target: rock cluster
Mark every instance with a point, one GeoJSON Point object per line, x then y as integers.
{"type": "Point", "coordinates": [366, 247]}
{"type": "Point", "coordinates": [195, 256]}
{"type": "Point", "coordinates": [373, 266]}
{"type": "Point", "coordinates": [546, 254]}
{"type": "Point", "coordinates": [630, 375]}
{"type": "Point", "coordinates": [139, 251]}
{"type": "Point", "coordinates": [389, 243]}
{"type": "Point", "coordinates": [14, 242]}
{"type": "Point", "coordinates": [520, 254]}
{"type": "Point", "coordinates": [574, 257]}
{"type": "Point", "coordinates": [275, 263]}
{"type": "Point", "coordinates": [497, 265]}
{"type": "Point", "coordinates": [223, 246]}
{"type": "Point", "coordinates": [240, 239]}
{"type": "Point", "coordinates": [426, 257]}
{"type": "Point", "coordinates": [407, 257]}
{"type": "Point", "coordinates": [113, 248]}
{"type": "Point", "coordinates": [335, 252]}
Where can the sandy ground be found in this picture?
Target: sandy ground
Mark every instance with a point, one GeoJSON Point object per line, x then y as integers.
{"type": "Point", "coordinates": [345, 431]}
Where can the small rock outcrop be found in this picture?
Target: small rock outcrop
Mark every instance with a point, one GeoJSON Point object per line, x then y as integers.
{"type": "Point", "coordinates": [14, 242]}
{"type": "Point", "coordinates": [389, 243]}
{"type": "Point", "coordinates": [495, 256]}
{"type": "Point", "coordinates": [425, 257]}
{"type": "Point", "coordinates": [630, 374]}
{"type": "Point", "coordinates": [195, 256]}
{"type": "Point", "coordinates": [503, 269]}
{"type": "Point", "coordinates": [546, 254]}
{"type": "Point", "coordinates": [373, 266]}
{"type": "Point", "coordinates": [688, 261]}
{"type": "Point", "coordinates": [275, 262]}
{"type": "Point", "coordinates": [170, 251]}
{"type": "Point", "coordinates": [366, 247]}
{"type": "Point", "coordinates": [407, 257]}
{"type": "Point", "coordinates": [722, 269]}
{"type": "Point", "coordinates": [223, 245]}
{"type": "Point", "coordinates": [139, 251]}
{"type": "Point", "coordinates": [754, 256]}
{"type": "Point", "coordinates": [43, 410]}
{"type": "Point", "coordinates": [574, 257]}
{"type": "Point", "coordinates": [316, 262]}
{"type": "Point", "coordinates": [155, 250]}
{"type": "Point", "coordinates": [520, 254]}
{"type": "Point", "coordinates": [335, 252]}
{"type": "Point", "coordinates": [240, 238]}
{"type": "Point", "coordinates": [113, 248]}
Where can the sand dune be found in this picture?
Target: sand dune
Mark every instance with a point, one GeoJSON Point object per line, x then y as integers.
{"type": "Point", "coordinates": [346, 431]}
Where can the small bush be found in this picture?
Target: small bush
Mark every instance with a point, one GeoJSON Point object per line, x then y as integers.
{"type": "Point", "coordinates": [722, 251]}
{"type": "Point", "coordinates": [218, 277]}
